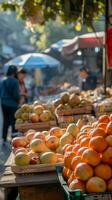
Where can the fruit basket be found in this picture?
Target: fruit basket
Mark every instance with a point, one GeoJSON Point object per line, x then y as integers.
{"type": "Point", "coordinates": [64, 121]}
{"type": "Point", "coordinates": [77, 194]}
{"type": "Point", "coordinates": [75, 111]}
{"type": "Point", "coordinates": [39, 126]}
{"type": "Point", "coordinates": [36, 116]}
{"type": "Point", "coordinates": [103, 107]}
{"type": "Point", "coordinates": [31, 169]}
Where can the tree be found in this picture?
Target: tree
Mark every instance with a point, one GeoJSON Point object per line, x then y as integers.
{"type": "Point", "coordinates": [53, 32]}
{"type": "Point", "coordinates": [73, 11]}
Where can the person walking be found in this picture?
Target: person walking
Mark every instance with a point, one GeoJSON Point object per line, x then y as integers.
{"type": "Point", "coordinates": [10, 98]}
{"type": "Point", "coordinates": [22, 87]}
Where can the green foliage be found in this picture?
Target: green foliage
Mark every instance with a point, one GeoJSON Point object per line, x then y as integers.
{"type": "Point", "coordinates": [70, 11]}
{"type": "Point", "coordinates": [51, 33]}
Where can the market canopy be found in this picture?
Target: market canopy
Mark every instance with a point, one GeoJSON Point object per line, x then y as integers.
{"type": "Point", "coordinates": [58, 45]}
{"type": "Point", "coordinates": [34, 60]}
{"type": "Point", "coordinates": [90, 40]}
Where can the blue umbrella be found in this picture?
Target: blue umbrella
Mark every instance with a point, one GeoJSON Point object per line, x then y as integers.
{"type": "Point", "coordinates": [34, 60]}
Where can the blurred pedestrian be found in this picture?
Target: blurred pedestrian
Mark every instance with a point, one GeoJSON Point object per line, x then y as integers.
{"type": "Point", "coordinates": [22, 87]}
{"type": "Point", "coordinates": [88, 79]}
{"type": "Point", "coordinates": [9, 100]}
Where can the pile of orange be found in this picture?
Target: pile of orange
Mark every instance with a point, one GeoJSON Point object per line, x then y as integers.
{"type": "Point", "coordinates": [88, 161]}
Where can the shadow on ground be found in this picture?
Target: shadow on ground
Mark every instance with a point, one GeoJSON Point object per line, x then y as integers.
{"type": "Point", "coordinates": [4, 153]}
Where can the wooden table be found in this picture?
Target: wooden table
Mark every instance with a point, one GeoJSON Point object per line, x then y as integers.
{"type": "Point", "coordinates": [40, 186]}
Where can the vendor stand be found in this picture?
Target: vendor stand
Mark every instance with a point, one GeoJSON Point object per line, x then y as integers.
{"type": "Point", "coordinates": [43, 186]}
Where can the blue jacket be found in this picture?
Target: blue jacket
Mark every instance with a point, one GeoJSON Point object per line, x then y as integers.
{"type": "Point", "coordinates": [9, 92]}
{"type": "Point", "coordinates": [89, 83]}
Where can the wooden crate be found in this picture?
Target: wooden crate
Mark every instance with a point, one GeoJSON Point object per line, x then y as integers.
{"type": "Point", "coordinates": [31, 169]}
{"type": "Point", "coordinates": [39, 126]}
{"type": "Point", "coordinates": [41, 192]}
{"type": "Point", "coordinates": [74, 111]}
{"type": "Point", "coordinates": [98, 114]}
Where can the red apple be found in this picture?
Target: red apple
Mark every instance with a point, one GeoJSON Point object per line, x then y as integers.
{"type": "Point", "coordinates": [20, 149]}
{"type": "Point", "coordinates": [34, 118]}
{"type": "Point", "coordinates": [34, 160]}
{"type": "Point", "coordinates": [19, 142]}
{"type": "Point", "coordinates": [39, 135]}
{"type": "Point", "coordinates": [29, 136]}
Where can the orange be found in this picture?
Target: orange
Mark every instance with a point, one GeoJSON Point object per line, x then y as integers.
{"type": "Point", "coordinates": [98, 143]}
{"type": "Point", "coordinates": [95, 184]}
{"type": "Point", "coordinates": [104, 119]}
{"type": "Point", "coordinates": [94, 124]}
{"type": "Point", "coordinates": [68, 159]}
{"type": "Point", "coordinates": [91, 157]}
{"type": "Point", "coordinates": [75, 161]}
{"type": "Point", "coordinates": [109, 185]}
{"type": "Point", "coordinates": [98, 132]}
{"type": "Point", "coordinates": [83, 171]}
{"type": "Point", "coordinates": [109, 128]}
{"type": "Point", "coordinates": [81, 150]}
{"type": "Point", "coordinates": [81, 137]}
{"type": "Point", "coordinates": [66, 172]}
{"type": "Point", "coordinates": [75, 148]}
{"type": "Point", "coordinates": [77, 184]}
{"type": "Point", "coordinates": [107, 156]}
{"type": "Point", "coordinates": [81, 133]}
{"type": "Point", "coordinates": [64, 147]}
{"type": "Point", "coordinates": [110, 117]}
{"type": "Point", "coordinates": [109, 140]}
{"type": "Point", "coordinates": [102, 125]}
{"type": "Point", "coordinates": [69, 148]}
{"type": "Point", "coordinates": [70, 179]}
{"type": "Point", "coordinates": [85, 142]}
{"type": "Point", "coordinates": [103, 171]}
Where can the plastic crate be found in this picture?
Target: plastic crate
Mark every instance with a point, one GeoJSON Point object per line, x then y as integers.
{"type": "Point", "coordinates": [77, 194]}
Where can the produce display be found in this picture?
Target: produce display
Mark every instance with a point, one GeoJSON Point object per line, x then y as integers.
{"type": "Point", "coordinates": [71, 104]}
{"type": "Point", "coordinates": [33, 113]}
{"type": "Point", "coordinates": [43, 147]}
{"type": "Point", "coordinates": [105, 106]}
{"type": "Point", "coordinates": [96, 95]}
{"type": "Point", "coordinates": [88, 159]}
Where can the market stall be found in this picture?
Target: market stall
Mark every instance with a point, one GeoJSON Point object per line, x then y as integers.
{"type": "Point", "coordinates": [42, 186]}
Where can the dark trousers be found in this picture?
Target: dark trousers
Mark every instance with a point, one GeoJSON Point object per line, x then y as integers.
{"type": "Point", "coordinates": [8, 120]}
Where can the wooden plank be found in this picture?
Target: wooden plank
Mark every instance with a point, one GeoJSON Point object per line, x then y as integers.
{"type": "Point", "coordinates": [41, 192]}
{"type": "Point", "coordinates": [9, 160]}
{"type": "Point", "coordinates": [74, 111]}
{"type": "Point", "coordinates": [39, 126]}
{"type": "Point", "coordinates": [34, 168]}
{"type": "Point", "coordinates": [13, 180]}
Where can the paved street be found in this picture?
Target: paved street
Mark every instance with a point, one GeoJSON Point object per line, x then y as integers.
{"type": "Point", "coordinates": [4, 152]}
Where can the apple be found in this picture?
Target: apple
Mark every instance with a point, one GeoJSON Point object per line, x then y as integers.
{"type": "Point", "coordinates": [22, 158]}
{"type": "Point", "coordinates": [39, 135]}
{"type": "Point", "coordinates": [19, 142]}
{"type": "Point", "coordinates": [52, 142]}
{"type": "Point", "coordinates": [34, 118]}
{"type": "Point", "coordinates": [29, 136]}
{"type": "Point", "coordinates": [38, 146]}
{"type": "Point", "coordinates": [20, 149]}
{"type": "Point", "coordinates": [34, 160]}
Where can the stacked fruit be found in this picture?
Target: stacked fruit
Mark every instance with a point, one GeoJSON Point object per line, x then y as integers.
{"type": "Point", "coordinates": [33, 113]}
{"type": "Point", "coordinates": [43, 147]}
{"type": "Point", "coordinates": [68, 101]}
{"type": "Point", "coordinates": [88, 161]}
